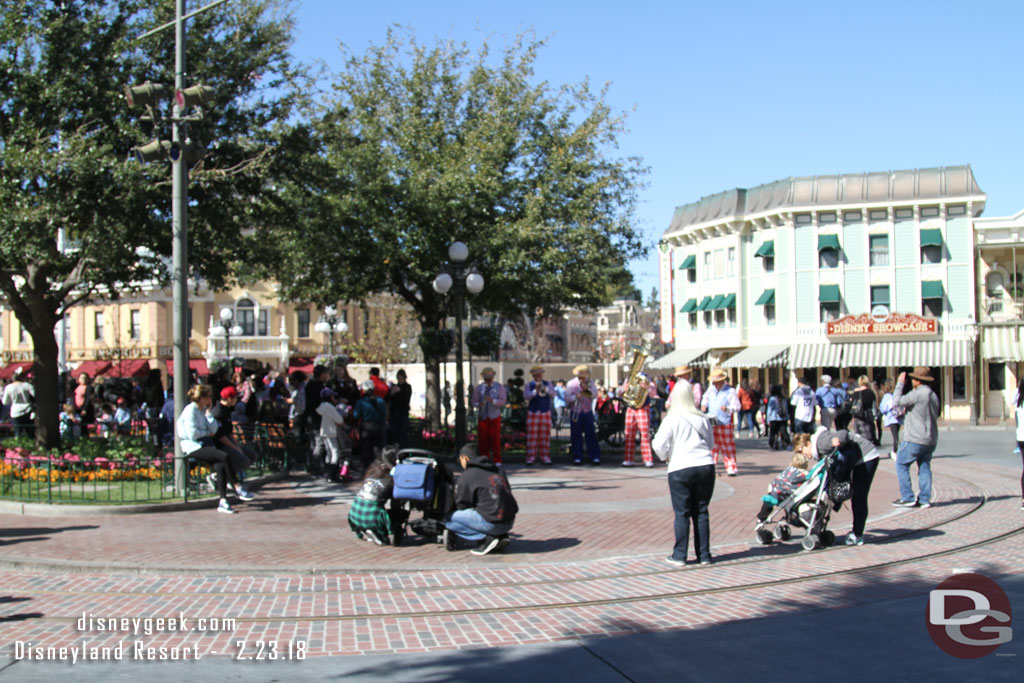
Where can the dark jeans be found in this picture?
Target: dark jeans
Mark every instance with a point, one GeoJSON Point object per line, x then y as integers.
{"type": "Point", "coordinates": [24, 425]}
{"type": "Point", "coordinates": [801, 427]}
{"type": "Point", "coordinates": [691, 489]}
{"type": "Point", "coordinates": [860, 483]}
{"type": "Point", "coordinates": [371, 439]}
{"type": "Point", "coordinates": [777, 437]}
{"type": "Point", "coordinates": [221, 464]}
{"type": "Point", "coordinates": [399, 429]}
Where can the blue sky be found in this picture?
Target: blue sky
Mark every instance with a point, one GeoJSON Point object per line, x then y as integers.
{"type": "Point", "coordinates": [731, 94]}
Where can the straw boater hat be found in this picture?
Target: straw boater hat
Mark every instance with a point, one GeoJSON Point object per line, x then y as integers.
{"type": "Point", "coordinates": [487, 371]}
{"type": "Point", "coordinates": [717, 375]}
{"type": "Point", "coordinates": [536, 370]}
{"type": "Point", "coordinates": [683, 370]}
{"type": "Point", "coordinates": [581, 369]}
{"type": "Point", "coordinates": [920, 373]}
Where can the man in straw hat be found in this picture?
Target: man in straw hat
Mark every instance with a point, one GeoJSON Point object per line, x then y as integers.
{"type": "Point", "coordinates": [489, 397]}
{"type": "Point", "coordinates": [685, 372]}
{"type": "Point", "coordinates": [579, 397]}
{"type": "Point", "coordinates": [639, 420]}
{"type": "Point", "coordinates": [720, 401]}
{"type": "Point", "coordinates": [920, 435]}
{"type": "Point", "coordinates": [538, 395]}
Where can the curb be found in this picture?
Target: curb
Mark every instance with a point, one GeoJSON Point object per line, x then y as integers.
{"type": "Point", "coordinates": [86, 510]}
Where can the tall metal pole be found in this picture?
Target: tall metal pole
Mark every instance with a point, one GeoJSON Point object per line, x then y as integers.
{"type": "Point", "coordinates": [179, 253]}
{"type": "Point", "coordinates": [460, 391]}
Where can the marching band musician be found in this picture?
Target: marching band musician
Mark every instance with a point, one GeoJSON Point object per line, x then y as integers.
{"type": "Point", "coordinates": [538, 394]}
{"type": "Point", "coordinates": [579, 396]}
{"type": "Point", "coordinates": [488, 398]}
{"type": "Point", "coordinates": [639, 419]}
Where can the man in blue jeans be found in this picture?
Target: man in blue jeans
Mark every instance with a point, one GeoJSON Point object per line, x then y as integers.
{"type": "Point", "coordinates": [920, 435]}
{"type": "Point", "coordinates": [485, 508]}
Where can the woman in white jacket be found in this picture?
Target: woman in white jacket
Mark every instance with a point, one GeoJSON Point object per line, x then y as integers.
{"type": "Point", "coordinates": [196, 430]}
{"type": "Point", "coordinates": [685, 440]}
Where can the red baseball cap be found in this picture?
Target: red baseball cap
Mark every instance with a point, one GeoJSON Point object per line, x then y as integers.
{"type": "Point", "coordinates": [228, 392]}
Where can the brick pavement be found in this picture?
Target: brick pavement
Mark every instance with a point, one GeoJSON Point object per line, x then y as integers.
{"type": "Point", "coordinates": [587, 561]}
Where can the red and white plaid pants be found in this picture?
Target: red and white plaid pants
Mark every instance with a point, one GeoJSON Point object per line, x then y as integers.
{"type": "Point", "coordinates": [638, 419]}
{"type": "Point", "coordinates": [725, 445]}
{"type": "Point", "coordinates": [538, 437]}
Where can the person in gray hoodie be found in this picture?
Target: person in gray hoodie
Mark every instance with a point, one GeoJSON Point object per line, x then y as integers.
{"type": "Point", "coordinates": [920, 435]}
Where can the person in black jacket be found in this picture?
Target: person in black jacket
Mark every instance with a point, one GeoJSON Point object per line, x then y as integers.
{"type": "Point", "coordinates": [314, 386]}
{"type": "Point", "coordinates": [485, 508]}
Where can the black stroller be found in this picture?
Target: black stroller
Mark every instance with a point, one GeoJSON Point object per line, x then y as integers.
{"type": "Point", "coordinates": [424, 483]}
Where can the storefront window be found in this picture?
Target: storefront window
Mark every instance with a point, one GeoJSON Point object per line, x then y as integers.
{"type": "Point", "coordinates": [959, 384]}
{"type": "Point", "coordinates": [996, 376]}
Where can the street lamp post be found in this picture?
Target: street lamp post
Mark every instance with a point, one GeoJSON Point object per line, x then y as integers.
{"type": "Point", "coordinates": [225, 329]}
{"type": "Point", "coordinates": [329, 323]}
{"type": "Point", "coordinates": [461, 275]}
{"type": "Point", "coordinates": [972, 335]}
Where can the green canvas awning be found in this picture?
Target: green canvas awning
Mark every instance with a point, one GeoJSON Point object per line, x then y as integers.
{"type": "Point", "coordinates": [767, 297]}
{"type": "Point", "coordinates": [689, 307]}
{"type": "Point", "coordinates": [766, 250]}
{"type": "Point", "coordinates": [931, 237]}
{"type": "Point", "coordinates": [716, 303]}
{"type": "Point", "coordinates": [730, 301]}
{"type": "Point", "coordinates": [828, 242]}
{"type": "Point", "coordinates": [828, 294]}
{"type": "Point", "coordinates": [931, 289]}
{"type": "Point", "coordinates": [705, 304]}
{"type": "Point", "coordinates": [689, 263]}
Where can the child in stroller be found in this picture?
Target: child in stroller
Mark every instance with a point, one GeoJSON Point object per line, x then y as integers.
{"type": "Point", "coordinates": [785, 483]}
{"type": "Point", "coordinates": [422, 482]}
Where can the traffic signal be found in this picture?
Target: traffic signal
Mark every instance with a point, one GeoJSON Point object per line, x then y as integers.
{"type": "Point", "coordinates": [153, 150]}
{"type": "Point", "coordinates": [145, 94]}
{"type": "Point", "coordinates": [186, 151]}
{"type": "Point", "coordinates": [197, 95]}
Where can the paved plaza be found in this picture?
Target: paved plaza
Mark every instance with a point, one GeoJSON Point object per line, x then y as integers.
{"type": "Point", "coordinates": [583, 590]}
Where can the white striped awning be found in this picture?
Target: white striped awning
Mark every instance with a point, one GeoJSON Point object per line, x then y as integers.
{"type": "Point", "coordinates": [943, 353]}
{"type": "Point", "coordinates": [816, 355]}
{"type": "Point", "coordinates": [759, 357]}
{"type": "Point", "coordinates": [673, 360]}
{"type": "Point", "coordinates": [1001, 344]}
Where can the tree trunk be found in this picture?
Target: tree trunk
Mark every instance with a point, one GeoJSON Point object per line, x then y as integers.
{"type": "Point", "coordinates": [47, 387]}
{"type": "Point", "coordinates": [432, 365]}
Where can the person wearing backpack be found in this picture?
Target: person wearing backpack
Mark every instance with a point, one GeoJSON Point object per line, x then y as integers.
{"type": "Point", "coordinates": [863, 409]}
{"type": "Point", "coordinates": [370, 414]}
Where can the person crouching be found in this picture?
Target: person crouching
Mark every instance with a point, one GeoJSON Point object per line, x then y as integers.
{"type": "Point", "coordinates": [485, 508]}
{"type": "Point", "coordinates": [368, 517]}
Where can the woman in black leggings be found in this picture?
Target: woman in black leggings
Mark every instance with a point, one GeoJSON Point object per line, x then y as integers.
{"type": "Point", "coordinates": [197, 429]}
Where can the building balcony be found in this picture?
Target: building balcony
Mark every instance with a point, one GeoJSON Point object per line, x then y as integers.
{"type": "Point", "coordinates": [1001, 309]}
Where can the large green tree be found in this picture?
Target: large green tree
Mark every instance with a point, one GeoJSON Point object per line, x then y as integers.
{"type": "Point", "coordinates": [419, 146]}
{"type": "Point", "coordinates": [65, 134]}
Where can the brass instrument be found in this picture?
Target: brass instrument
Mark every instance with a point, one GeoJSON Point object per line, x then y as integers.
{"type": "Point", "coordinates": [637, 384]}
{"type": "Point", "coordinates": [542, 389]}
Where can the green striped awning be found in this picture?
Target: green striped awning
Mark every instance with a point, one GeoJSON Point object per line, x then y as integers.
{"type": "Point", "coordinates": [815, 355]}
{"type": "Point", "coordinates": [689, 263]}
{"type": "Point", "coordinates": [766, 250]}
{"type": "Point", "coordinates": [759, 357]}
{"type": "Point", "coordinates": [931, 289]}
{"type": "Point", "coordinates": [689, 307]}
{"type": "Point", "coordinates": [730, 301]}
{"type": "Point", "coordinates": [767, 297]}
{"type": "Point", "coordinates": [717, 303]}
{"type": "Point", "coordinates": [828, 293]}
{"type": "Point", "coordinates": [705, 304]}
{"type": "Point", "coordinates": [942, 353]}
{"type": "Point", "coordinates": [828, 242]}
{"type": "Point", "coordinates": [931, 237]}
{"type": "Point", "coordinates": [695, 358]}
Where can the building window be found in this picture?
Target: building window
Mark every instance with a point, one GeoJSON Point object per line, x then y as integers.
{"type": "Point", "coordinates": [135, 324]}
{"type": "Point", "coordinates": [719, 318]}
{"type": "Point", "coordinates": [829, 311]}
{"type": "Point", "coordinates": [931, 253]}
{"type": "Point", "coordinates": [879, 295]}
{"type": "Point", "coordinates": [245, 316]}
{"type": "Point", "coordinates": [730, 263]}
{"type": "Point", "coordinates": [730, 314]}
{"type": "Point", "coordinates": [769, 263]}
{"type": "Point", "coordinates": [852, 216]}
{"type": "Point", "coordinates": [959, 384]}
{"type": "Point", "coordinates": [828, 258]}
{"type": "Point", "coordinates": [904, 214]}
{"type": "Point", "coordinates": [931, 307]}
{"type": "Point", "coordinates": [263, 322]}
{"type": "Point", "coordinates": [366, 321]}
{"type": "Point", "coordinates": [707, 319]}
{"type": "Point", "coordinates": [829, 217]}
{"type": "Point", "coordinates": [878, 215]}
{"type": "Point", "coordinates": [879, 246]}
{"type": "Point", "coordinates": [707, 265]}
{"type": "Point", "coordinates": [930, 212]}
{"type": "Point", "coordinates": [302, 322]}
{"type": "Point", "coordinates": [693, 322]}
{"type": "Point", "coordinates": [97, 326]}
{"type": "Point", "coordinates": [769, 314]}
{"type": "Point", "coordinates": [803, 218]}
{"type": "Point", "coordinates": [719, 263]}
{"type": "Point", "coordinates": [997, 376]}
{"type": "Point", "coordinates": [956, 210]}
{"type": "Point", "coordinates": [691, 274]}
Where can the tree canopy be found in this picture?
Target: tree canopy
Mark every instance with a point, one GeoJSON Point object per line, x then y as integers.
{"type": "Point", "coordinates": [65, 134]}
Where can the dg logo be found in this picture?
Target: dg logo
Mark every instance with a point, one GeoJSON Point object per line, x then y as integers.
{"type": "Point", "coordinates": [969, 616]}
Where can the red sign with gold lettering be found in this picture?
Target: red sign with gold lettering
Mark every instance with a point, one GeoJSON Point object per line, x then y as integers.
{"type": "Point", "coordinates": [901, 325]}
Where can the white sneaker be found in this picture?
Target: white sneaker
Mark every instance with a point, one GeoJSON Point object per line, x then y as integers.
{"type": "Point", "coordinates": [211, 481]}
{"type": "Point", "coordinates": [226, 508]}
{"type": "Point", "coordinates": [648, 464]}
{"type": "Point", "coordinates": [243, 494]}
{"type": "Point", "coordinates": [372, 535]}
{"type": "Point", "coordinates": [854, 540]}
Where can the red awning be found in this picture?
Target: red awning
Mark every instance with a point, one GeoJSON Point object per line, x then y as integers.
{"type": "Point", "coordinates": [300, 364]}
{"type": "Point", "coordinates": [7, 371]}
{"type": "Point", "coordinates": [134, 367]}
{"type": "Point", "coordinates": [92, 367]}
{"type": "Point", "coordinates": [197, 364]}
